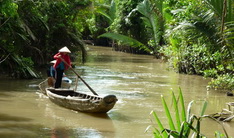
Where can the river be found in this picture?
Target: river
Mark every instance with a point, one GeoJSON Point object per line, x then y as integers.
{"type": "Point", "coordinates": [138, 81]}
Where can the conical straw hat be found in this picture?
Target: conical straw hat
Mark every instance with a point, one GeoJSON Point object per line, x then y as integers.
{"type": "Point", "coordinates": [65, 49]}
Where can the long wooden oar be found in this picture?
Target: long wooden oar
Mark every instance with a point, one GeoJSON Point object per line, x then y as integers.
{"type": "Point", "coordinates": [79, 77]}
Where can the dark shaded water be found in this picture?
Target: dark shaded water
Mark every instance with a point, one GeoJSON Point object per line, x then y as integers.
{"type": "Point", "coordinates": [137, 80]}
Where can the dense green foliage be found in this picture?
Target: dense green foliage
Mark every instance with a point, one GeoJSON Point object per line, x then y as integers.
{"type": "Point", "coordinates": [197, 44]}
{"type": "Point", "coordinates": [150, 25]}
{"type": "Point", "coordinates": [33, 31]}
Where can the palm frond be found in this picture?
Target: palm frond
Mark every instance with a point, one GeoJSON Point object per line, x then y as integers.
{"type": "Point", "coordinates": [105, 15]}
{"type": "Point", "coordinates": [108, 11]}
{"type": "Point", "coordinates": [228, 35]}
{"type": "Point", "coordinates": [112, 10]}
{"type": "Point", "coordinates": [154, 16]}
{"type": "Point", "coordinates": [126, 40]}
{"type": "Point", "coordinates": [217, 7]}
{"type": "Point", "coordinates": [79, 43]}
{"type": "Point", "coordinates": [230, 11]}
{"type": "Point", "coordinates": [208, 16]}
{"type": "Point", "coordinates": [27, 29]}
{"type": "Point", "coordinates": [23, 70]}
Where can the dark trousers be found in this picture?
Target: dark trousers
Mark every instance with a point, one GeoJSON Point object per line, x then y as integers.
{"type": "Point", "coordinates": [59, 76]}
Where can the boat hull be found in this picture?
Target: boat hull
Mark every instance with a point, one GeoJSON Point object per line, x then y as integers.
{"type": "Point", "coordinates": [81, 102]}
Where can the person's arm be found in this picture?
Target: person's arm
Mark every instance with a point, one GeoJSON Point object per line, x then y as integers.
{"type": "Point", "coordinates": [57, 56]}
{"type": "Point", "coordinates": [67, 60]}
{"type": "Point", "coordinates": [58, 60]}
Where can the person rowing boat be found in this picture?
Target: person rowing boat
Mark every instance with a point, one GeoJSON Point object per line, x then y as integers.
{"type": "Point", "coordinates": [60, 66]}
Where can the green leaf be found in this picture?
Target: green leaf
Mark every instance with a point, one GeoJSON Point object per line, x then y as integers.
{"type": "Point", "coordinates": [168, 114]}
{"type": "Point", "coordinates": [183, 113]}
{"type": "Point", "coordinates": [105, 14]}
{"type": "Point", "coordinates": [189, 111]}
{"type": "Point", "coordinates": [152, 12]}
{"type": "Point", "coordinates": [176, 111]}
{"type": "Point", "coordinates": [175, 134]}
{"type": "Point", "coordinates": [204, 108]}
{"type": "Point", "coordinates": [189, 126]}
{"type": "Point", "coordinates": [157, 134]}
{"type": "Point", "coordinates": [159, 124]}
{"type": "Point", "coordinates": [126, 40]}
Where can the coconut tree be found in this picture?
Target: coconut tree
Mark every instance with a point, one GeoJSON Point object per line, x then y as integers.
{"type": "Point", "coordinates": [152, 18]}
{"type": "Point", "coordinates": [152, 12]}
{"type": "Point", "coordinates": [102, 14]}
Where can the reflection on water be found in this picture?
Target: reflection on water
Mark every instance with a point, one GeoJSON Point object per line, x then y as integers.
{"type": "Point", "coordinates": [14, 126]}
{"type": "Point", "coordinates": [138, 81]}
{"type": "Point", "coordinates": [61, 132]}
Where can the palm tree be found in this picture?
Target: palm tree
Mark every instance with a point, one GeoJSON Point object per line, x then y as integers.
{"type": "Point", "coordinates": [152, 18]}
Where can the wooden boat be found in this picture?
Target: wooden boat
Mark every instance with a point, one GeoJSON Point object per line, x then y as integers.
{"type": "Point", "coordinates": [81, 102]}
{"type": "Point", "coordinates": [66, 84]}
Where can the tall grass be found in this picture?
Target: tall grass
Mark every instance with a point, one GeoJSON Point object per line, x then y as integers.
{"type": "Point", "coordinates": [182, 123]}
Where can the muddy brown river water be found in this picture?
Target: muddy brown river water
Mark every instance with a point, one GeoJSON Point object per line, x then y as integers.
{"type": "Point", "coordinates": [137, 80]}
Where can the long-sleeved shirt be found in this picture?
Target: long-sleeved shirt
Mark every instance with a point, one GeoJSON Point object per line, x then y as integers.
{"type": "Point", "coordinates": [59, 63]}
